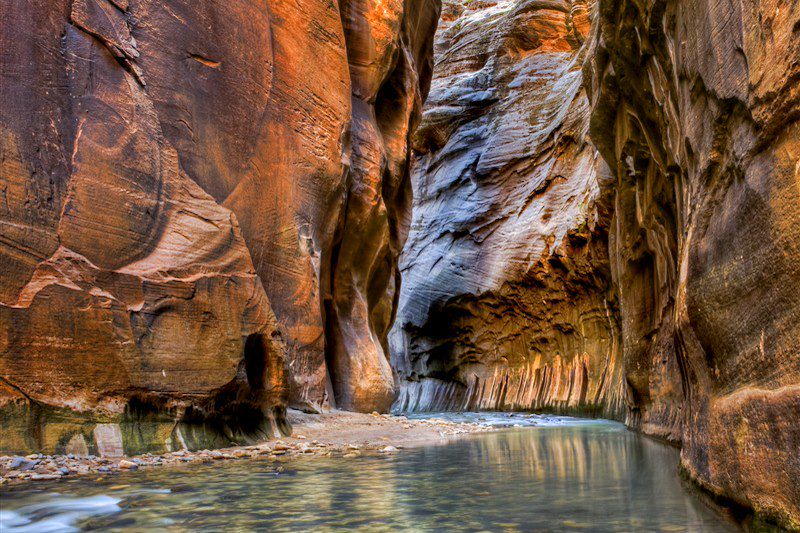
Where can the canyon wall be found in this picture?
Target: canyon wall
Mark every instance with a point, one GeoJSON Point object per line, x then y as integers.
{"type": "Point", "coordinates": [506, 300]}
{"type": "Point", "coordinates": [696, 107]}
{"type": "Point", "coordinates": [390, 53]}
{"type": "Point", "coordinates": [199, 202]}
{"type": "Point", "coordinates": [662, 288]}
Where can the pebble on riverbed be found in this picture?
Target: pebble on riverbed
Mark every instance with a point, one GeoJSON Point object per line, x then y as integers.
{"type": "Point", "coordinates": [38, 467]}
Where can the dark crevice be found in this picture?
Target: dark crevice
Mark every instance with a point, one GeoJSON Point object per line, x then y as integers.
{"type": "Point", "coordinates": [255, 361]}
{"type": "Point", "coordinates": [328, 265]}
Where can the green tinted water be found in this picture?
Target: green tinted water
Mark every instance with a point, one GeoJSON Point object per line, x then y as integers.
{"type": "Point", "coordinates": [571, 476]}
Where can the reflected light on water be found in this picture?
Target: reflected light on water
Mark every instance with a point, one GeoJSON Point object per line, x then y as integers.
{"type": "Point", "coordinates": [570, 475]}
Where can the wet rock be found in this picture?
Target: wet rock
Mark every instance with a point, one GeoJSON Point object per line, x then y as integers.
{"type": "Point", "coordinates": [127, 465]}
{"type": "Point", "coordinates": [45, 476]}
{"type": "Point", "coordinates": [18, 462]}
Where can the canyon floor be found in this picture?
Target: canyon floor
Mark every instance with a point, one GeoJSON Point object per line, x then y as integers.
{"type": "Point", "coordinates": [331, 433]}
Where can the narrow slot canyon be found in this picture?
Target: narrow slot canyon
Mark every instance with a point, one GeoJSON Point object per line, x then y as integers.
{"type": "Point", "coordinates": [254, 228]}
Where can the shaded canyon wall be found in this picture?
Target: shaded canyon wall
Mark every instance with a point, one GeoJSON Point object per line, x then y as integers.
{"type": "Point", "coordinates": [506, 300]}
{"type": "Point", "coordinates": [183, 187]}
{"type": "Point", "coordinates": [696, 107]}
{"type": "Point", "coordinates": [661, 288]}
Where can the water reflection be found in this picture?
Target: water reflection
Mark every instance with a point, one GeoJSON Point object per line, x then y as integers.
{"type": "Point", "coordinates": [585, 476]}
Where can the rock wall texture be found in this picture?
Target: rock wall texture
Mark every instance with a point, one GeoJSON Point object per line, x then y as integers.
{"type": "Point", "coordinates": [198, 200]}
{"type": "Point", "coordinates": [696, 107]}
{"type": "Point", "coordinates": [663, 290]}
{"type": "Point", "coordinates": [390, 53]}
{"type": "Point", "coordinates": [506, 300]}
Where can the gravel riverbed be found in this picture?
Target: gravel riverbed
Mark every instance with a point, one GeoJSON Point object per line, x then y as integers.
{"type": "Point", "coordinates": [334, 433]}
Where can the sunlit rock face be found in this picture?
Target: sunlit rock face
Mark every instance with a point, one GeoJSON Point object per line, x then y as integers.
{"type": "Point", "coordinates": [696, 107]}
{"type": "Point", "coordinates": [505, 301]}
{"type": "Point", "coordinates": [122, 276]}
{"type": "Point", "coordinates": [196, 199]}
{"type": "Point", "coordinates": [389, 51]}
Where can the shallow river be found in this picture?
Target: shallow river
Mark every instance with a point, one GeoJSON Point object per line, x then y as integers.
{"type": "Point", "coordinates": [562, 475]}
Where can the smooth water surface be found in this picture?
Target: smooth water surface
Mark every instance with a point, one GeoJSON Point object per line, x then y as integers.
{"type": "Point", "coordinates": [564, 475]}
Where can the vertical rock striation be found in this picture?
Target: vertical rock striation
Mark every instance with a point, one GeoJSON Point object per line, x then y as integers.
{"type": "Point", "coordinates": [696, 107]}
{"type": "Point", "coordinates": [389, 49]}
{"type": "Point", "coordinates": [183, 185]}
{"type": "Point", "coordinates": [665, 290]}
{"type": "Point", "coordinates": [506, 300]}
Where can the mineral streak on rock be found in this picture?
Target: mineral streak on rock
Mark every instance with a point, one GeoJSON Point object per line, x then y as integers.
{"type": "Point", "coordinates": [696, 107]}
{"type": "Point", "coordinates": [182, 185]}
{"type": "Point", "coordinates": [505, 302]}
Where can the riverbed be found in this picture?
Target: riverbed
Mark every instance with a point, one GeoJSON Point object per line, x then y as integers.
{"type": "Point", "coordinates": [535, 474]}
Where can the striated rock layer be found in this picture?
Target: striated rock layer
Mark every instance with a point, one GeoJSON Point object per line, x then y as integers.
{"type": "Point", "coordinates": [696, 107]}
{"type": "Point", "coordinates": [506, 300]}
{"type": "Point", "coordinates": [183, 187]}
{"type": "Point", "coordinates": [663, 291]}
{"type": "Point", "coordinates": [122, 278]}
{"type": "Point", "coordinates": [389, 49]}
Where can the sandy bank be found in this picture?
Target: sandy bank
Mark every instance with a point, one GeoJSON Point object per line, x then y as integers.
{"type": "Point", "coordinates": [333, 433]}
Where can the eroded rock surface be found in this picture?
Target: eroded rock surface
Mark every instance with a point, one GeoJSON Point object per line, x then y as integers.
{"type": "Point", "coordinates": [505, 300]}
{"type": "Point", "coordinates": [687, 324]}
{"type": "Point", "coordinates": [389, 49]}
{"type": "Point", "coordinates": [183, 185]}
{"type": "Point", "coordinates": [122, 277]}
{"type": "Point", "coordinates": [696, 106]}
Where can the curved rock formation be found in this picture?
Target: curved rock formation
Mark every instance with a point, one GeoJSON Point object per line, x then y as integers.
{"type": "Point", "coordinates": [122, 278]}
{"type": "Point", "coordinates": [389, 48]}
{"type": "Point", "coordinates": [687, 324]}
{"type": "Point", "coordinates": [183, 185]}
{"type": "Point", "coordinates": [696, 106]}
{"type": "Point", "coordinates": [505, 301]}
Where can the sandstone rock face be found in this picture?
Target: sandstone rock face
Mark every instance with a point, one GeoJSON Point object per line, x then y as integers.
{"type": "Point", "coordinates": [184, 185]}
{"type": "Point", "coordinates": [121, 276]}
{"type": "Point", "coordinates": [505, 300]}
{"type": "Point", "coordinates": [389, 49]}
{"type": "Point", "coordinates": [663, 291]}
{"type": "Point", "coordinates": [696, 107]}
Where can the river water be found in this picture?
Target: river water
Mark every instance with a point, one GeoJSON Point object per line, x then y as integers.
{"type": "Point", "coordinates": [562, 474]}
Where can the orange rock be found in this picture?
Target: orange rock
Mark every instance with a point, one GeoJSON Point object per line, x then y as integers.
{"type": "Point", "coordinates": [695, 108]}
{"type": "Point", "coordinates": [175, 182]}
